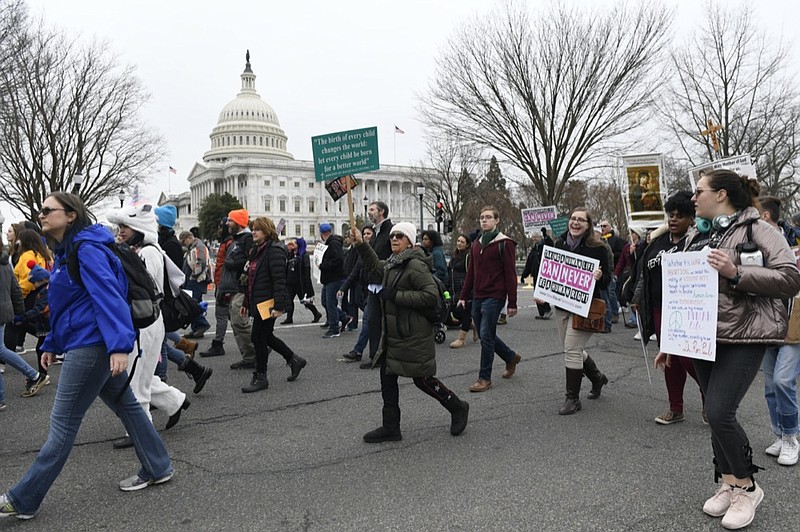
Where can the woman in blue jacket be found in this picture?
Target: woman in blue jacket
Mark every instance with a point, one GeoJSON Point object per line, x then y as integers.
{"type": "Point", "coordinates": [92, 325]}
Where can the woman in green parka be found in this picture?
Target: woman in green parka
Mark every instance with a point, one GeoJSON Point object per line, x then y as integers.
{"type": "Point", "coordinates": [407, 347]}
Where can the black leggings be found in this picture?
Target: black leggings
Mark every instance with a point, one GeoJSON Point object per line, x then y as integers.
{"type": "Point", "coordinates": [390, 390]}
{"type": "Point", "coordinates": [724, 383]}
{"type": "Point", "coordinates": [263, 337]}
{"type": "Point", "coordinates": [15, 336]}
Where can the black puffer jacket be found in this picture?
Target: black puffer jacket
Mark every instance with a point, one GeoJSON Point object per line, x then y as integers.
{"type": "Point", "coordinates": [169, 243]}
{"type": "Point", "coordinates": [406, 335]}
{"type": "Point", "coordinates": [458, 273]}
{"type": "Point", "coordinates": [267, 277]}
{"type": "Point", "coordinates": [298, 274]}
{"type": "Point", "coordinates": [332, 266]}
{"type": "Point", "coordinates": [235, 259]}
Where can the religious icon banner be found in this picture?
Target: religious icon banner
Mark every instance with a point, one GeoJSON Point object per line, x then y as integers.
{"type": "Point", "coordinates": [741, 164]}
{"type": "Point", "coordinates": [644, 189]}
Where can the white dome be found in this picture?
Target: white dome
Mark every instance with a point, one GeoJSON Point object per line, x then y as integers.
{"type": "Point", "coordinates": [247, 127]}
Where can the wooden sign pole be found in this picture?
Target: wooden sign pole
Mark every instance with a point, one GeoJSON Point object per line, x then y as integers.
{"type": "Point", "coordinates": [350, 201]}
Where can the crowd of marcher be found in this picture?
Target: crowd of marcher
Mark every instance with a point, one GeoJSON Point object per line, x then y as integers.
{"type": "Point", "coordinates": [64, 280]}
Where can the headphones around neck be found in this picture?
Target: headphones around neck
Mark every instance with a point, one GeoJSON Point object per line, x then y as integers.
{"type": "Point", "coordinates": [719, 223]}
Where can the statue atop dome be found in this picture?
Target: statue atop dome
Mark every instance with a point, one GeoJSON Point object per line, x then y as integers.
{"type": "Point", "coordinates": [247, 61]}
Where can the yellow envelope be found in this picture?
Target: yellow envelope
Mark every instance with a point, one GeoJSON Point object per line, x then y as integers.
{"type": "Point", "coordinates": [265, 308]}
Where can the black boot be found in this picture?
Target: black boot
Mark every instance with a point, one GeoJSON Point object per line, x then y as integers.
{"type": "Point", "coordinates": [596, 376]}
{"type": "Point", "coordinates": [459, 411]}
{"type": "Point", "coordinates": [296, 363]}
{"type": "Point", "coordinates": [174, 418]}
{"type": "Point", "coordinates": [317, 314]}
{"type": "Point", "coordinates": [288, 320]}
{"type": "Point", "coordinates": [258, 383]}
{"type": "Point", "coordinates": [216, 350]}
{"type": "Point", "coordinates": [390, 430]}
{"type": "Point", "coordinates": [573, 402]}
{"type": "Point", "coordinates": [199, 373]}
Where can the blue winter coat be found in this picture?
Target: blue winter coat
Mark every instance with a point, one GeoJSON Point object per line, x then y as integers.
{"type": "Point", "coordinates": [97, 313]}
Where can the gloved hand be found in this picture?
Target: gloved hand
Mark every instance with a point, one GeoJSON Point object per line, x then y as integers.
{"type": "Point", "coordinates": [388, 293]}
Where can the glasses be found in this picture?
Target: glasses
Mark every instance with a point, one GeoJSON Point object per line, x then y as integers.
{"type": "Point", "coordinates": [396, 236]}
{"type": "Point", "coordinates": [45, 212]}
{"type": "Point", "coordinates": [486, 217]}
{"type": "Point", "coordinates": [579, 220]}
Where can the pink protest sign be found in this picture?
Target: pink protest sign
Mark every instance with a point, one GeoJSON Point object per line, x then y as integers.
{"type": "Point", "coordinates": [566, 280]}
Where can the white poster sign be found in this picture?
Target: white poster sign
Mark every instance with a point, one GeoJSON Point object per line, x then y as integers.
{"type": "Point", "coordinates": [536, 218]}
{"type": "Point", "coordinates": [566, 280]}
{"type": "Point", "coordinates": [316, 259]}
{"type": "Point", "coordinates": [689, 305]}
{"type": "Point", "coordinates": [741, 164]}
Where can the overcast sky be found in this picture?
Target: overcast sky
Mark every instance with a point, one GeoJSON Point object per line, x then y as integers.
{"type": "Point", "coordinates": [323, 65]}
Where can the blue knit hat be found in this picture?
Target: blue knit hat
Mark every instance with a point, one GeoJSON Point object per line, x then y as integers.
{"type": "Point", "coordinates": [37, 272]}
{"type": "Point", "coordinates": [325, 227]}
{"type": "Point", "coordinates": [166, 215]}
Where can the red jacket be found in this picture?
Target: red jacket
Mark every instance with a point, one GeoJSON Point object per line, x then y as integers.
{"type": "Point", "coordinates": [489, 275]}
{"type": "Point", "coordinates": [220, 260]}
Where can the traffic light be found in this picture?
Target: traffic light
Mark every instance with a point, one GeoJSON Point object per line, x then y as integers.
{"type": "Point", "coordinates": [448, 226]}
{"type": "Point", "coordinates": [439, 211]}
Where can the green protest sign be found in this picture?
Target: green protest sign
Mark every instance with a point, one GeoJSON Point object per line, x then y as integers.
{"type": "Point", "coordinates": [345, 152]}
{"type": "Point", "coordinates": [559, 225]}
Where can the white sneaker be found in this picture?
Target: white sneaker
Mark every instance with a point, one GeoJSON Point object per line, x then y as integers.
{"type": "Point", "coordinates": [653, 337]}
{"type": "Point", "coordinates": [775, 448]}
{"type": "Point", "coordinates": [789, 451]}
{"type": "Point", "coordinates": [717, 505]}
{"type": "Point", "coordinates": [743, 507]}
{"type": "Point", "coordinates": [637, 336]}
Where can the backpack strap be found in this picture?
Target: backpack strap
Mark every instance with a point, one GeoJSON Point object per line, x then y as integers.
{"type": "Point", "coordinates": [133, 369]}
{"type": "Point", "coordinates": [73, 266]}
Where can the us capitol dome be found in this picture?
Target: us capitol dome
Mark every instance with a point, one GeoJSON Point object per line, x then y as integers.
{"type": "Point", "coordinates": [249, 160]}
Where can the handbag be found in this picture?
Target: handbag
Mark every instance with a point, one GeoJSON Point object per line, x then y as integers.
{"type": "Point", "coordinates": [595, 321]}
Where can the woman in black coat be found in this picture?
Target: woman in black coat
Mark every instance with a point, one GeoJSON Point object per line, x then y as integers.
{"type": "Point", "coordinates": [458, 272]}
{"type": "Point", "coordinates": [581, 239]}
{"type": "Point", "coordinates": [298, 280]}
{"type": "Point", "coordinates": [266, 280]}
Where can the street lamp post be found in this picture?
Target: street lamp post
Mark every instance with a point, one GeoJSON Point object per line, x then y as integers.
{"type": "Point", "coordinates": [420, 193]}
{"type": "Point", "coordinates": [121, 197]}
{"type": "Point", "coordinates": [77, 181]}
{"type": "Point", "coordinates": [365, 201]}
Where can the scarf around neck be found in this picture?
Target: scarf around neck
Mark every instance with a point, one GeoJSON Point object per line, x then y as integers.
{"type": "Point", "coordinates": [488, 236]}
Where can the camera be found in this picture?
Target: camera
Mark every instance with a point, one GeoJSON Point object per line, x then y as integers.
{"type": "Point", "coordinates": [750, 255]}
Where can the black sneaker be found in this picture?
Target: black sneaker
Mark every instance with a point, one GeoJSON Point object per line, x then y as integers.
{"type": "Point", "coordinates": [352, 356]}
{"type": "Point", "coordinates": [244, 364]}
{"type": "Point", "coordinates": [332, 334]}
{"type": "Point", "coordinates": [32, 386]}
{"type": "Point", "coordinates": [367, 364]}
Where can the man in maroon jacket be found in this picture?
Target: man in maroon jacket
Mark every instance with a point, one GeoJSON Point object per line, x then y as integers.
{"type": "Point", "coordinates": [491, 278]}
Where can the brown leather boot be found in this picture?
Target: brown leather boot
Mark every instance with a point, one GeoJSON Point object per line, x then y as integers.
{"type": "Point", "coordinates": [187, 346]}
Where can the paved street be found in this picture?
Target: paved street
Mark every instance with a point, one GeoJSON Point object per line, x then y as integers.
{"type": "Point", "coordinates": [292, 458]}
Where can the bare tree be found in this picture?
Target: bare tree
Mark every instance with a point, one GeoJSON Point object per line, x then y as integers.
{"type": "Point", "coordinates": [13, 39]}
{"type": "Point", "coordinates": [549, 94]}
{"type": "Point", "coordinates": [448, 172]}
{"type": "Point", "coordinates": [72, 107]}
{"type": "Point", "coordinates": [734, 74]}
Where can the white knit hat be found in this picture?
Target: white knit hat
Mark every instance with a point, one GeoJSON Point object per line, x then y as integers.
{"type": "Point", "coordinates": [407, 229]}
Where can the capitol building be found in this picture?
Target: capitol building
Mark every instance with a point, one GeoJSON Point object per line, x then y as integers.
{"type": "Point", "coordinates": [249, 159]}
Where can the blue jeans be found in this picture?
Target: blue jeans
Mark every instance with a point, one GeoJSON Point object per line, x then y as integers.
{"type": "Point", "coordinates": [334, 314]}
{"type": "Point", "coordinates": [7, 356]}
{"type": "Point", "coordinates": [363, 334]}
{"type": "Point", "coordinates": [84, 375]}
{"type": "Point", "coordinates": [609, 295]}
{"type": "Point", "coordinates": [485, 313]}
{"type": "Point", "coordinates": [781, 368]}
{"type": "Point", "coordinates": [197, 289]}
{"type": "Point", "coordinates": [169, 354]}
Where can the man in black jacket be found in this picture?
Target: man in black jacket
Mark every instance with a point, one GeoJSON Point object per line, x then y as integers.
{"type": "Point", "coordinates": [167, 215]}
{"type": "Point", "coordinates": [332, 275]}
{"type": "Point", "coordinates": [232, 290]}
{"type": "Point", "coordinates": [378, 213]}
{"type": "Point", "coordinates": [610, 294]}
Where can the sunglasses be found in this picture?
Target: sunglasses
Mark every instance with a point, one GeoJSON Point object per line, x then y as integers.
{"type": "Point", "coordinates": [45, 212]}
{"type": "Point", "coordinates": [396, 236]}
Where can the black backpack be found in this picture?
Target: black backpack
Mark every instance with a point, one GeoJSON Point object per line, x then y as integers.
{"type": "Point", "coordinates": [143, 296]}
{"type": "Point", "coordinates": [440, 311]}
{"type": "Point", "coordinates": [178, 311]}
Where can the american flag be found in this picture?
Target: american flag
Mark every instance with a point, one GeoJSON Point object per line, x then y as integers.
{"type": "Point", "coordinates": [172, 170]}
{"type": "Point", "coordinates": [398, 130]}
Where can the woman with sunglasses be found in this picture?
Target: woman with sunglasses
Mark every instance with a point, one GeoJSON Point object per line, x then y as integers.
{"type": "Point", "coordinates": [750, 317]}
{"type": "Point", "coordinates": [580, 238]}
{"type": "Point", "coordinates": [407, 347]}
{"type": "Point", "coordinates": [91, 323]}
